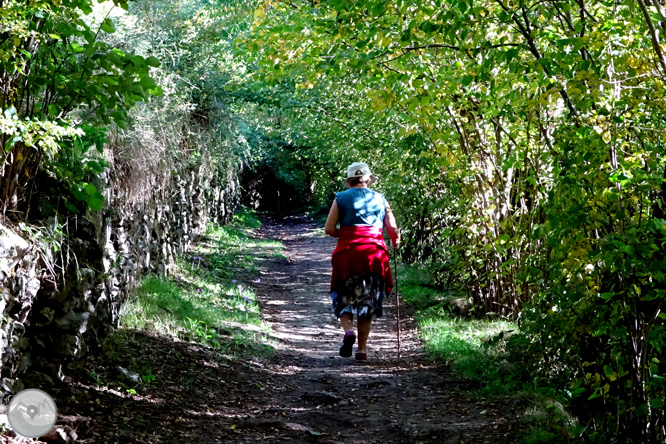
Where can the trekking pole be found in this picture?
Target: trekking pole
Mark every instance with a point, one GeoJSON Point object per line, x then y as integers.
{"type": "Point", "coordinates": [397, 296]}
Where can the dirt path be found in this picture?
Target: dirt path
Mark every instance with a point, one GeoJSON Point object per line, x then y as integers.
{"type": "Point", "coordinates": [333, 399]}
{"type": "Point", "coordinates": [304, 393]}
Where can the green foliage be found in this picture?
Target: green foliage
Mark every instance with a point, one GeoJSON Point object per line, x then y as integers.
{"type": "Point", "coordinates": [194, 129]}
{"type": "Point", "coordinates": [61, 85]}
{"type": "Point", "coordinates": [146, 374]}
{"type": "Point", "coordinates": [522, 148]}
{"type": "Point", "coordinates": [247, 218]}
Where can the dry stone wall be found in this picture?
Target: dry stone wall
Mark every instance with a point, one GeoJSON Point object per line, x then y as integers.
{"type": "Point", "coordinates": [51, 318]}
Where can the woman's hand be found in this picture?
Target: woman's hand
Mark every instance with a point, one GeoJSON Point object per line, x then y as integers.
{"type": "Point", "coordinates": [392, 227]}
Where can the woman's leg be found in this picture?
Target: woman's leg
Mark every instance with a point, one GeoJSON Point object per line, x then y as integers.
{"type": "Point", "coordinates": [347, 321]}
{"type": "Point", "coordinates": [364, 327]}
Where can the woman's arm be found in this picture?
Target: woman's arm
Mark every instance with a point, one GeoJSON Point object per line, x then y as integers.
{"type": "Point", "coordinates": [332, 221]}
{"type": "Point", "coordinates": [391, 226]}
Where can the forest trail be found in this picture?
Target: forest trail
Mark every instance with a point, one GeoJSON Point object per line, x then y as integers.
{"type": "Point", "coordinates": [305, 392]}
{"type": "Point", "coordinates": [321, 397]}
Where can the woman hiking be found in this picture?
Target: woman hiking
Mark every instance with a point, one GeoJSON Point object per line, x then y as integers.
{"type": "Point", "coordinates": [361, 274]}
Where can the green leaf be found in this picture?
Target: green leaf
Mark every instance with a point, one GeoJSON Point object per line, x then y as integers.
{"type": "Point", "coordinates": [71, 208]}
{"type": "Point", "coordinates": [153, 61]}
{"type": "Point", "coordinates": [108, 26]}
{"type": "Point", "coordinates": [147, 83]}
{"type": "Point", "coordinates": [76, 48]}
{"type": "Point", "coordinates": [12, 141]}
{"type": "Point", "coordinates": [430, 27]}
{"type": "Point", "coordinates": [139, 62]}
{"type": "Point", "coordinates": [117, 53]}
{"type": "Point", "coordinates": [86, 7]}
{"type": "Point", "coordinates": [657, 403]}
{"type": "Point", "coordinates": [156, 91]}
{"type": "Point", "coordinates": [117, 115]}
{"type": "Point", "coordinates": [90, 189]}
{"type": "Point", "coordinates": [79, 194]}
{"type": "Point", "coordinates": [96, 203]}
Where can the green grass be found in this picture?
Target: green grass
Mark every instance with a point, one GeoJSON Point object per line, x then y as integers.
{"type": "Point", "coordinates": [460, 342]}
{"type": "Point", "coordinates": [418, 289]}
{"type": "Point", "coordinates": [209, 297]}
{"type": "Point", "coordinates": [486, 351]}
{"type": "Point", "coordinates": [247, 218]}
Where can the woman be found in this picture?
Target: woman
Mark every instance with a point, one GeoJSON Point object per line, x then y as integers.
{"type": "Point", "coordinates": [361, 273]}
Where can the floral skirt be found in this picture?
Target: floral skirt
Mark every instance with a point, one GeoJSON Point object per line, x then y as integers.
{"type": "Point", "coordinates": [362, 296]}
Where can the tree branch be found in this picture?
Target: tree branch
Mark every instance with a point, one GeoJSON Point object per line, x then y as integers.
{"type": "Point", "coordinates": [526, 31]}
{"type": "Point", "coordinates": [458, 48]}
{"type": "Point", "coordinates": [653, 33]}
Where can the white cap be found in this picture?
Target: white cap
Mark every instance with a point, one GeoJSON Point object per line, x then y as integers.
{"type": "Point", "coordinates": [358, 170]}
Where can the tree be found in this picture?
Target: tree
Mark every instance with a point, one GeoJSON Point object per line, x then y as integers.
{"type": "Point", "coordinates": [542, 128]}
{"type": "Point", "coordinates": [61, 85]}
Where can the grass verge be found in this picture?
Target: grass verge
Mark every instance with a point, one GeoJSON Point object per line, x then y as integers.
{"type": "Point", "coordinates": [486, 351]}
{"type": "Point", "coordinates": [209, 298]}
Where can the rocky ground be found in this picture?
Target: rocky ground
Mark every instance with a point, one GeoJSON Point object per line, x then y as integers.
{"type": "Point", "coordinates": [304, 393]}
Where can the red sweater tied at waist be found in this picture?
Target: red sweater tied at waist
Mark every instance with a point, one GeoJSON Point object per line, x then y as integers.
{"type": "Point", "coordinates": [361, 250]}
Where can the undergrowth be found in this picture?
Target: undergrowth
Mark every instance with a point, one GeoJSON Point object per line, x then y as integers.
{"type": "Point", "coordinates": [209, 298]}
{"type": "Point", "coordinates": [487, 351]}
